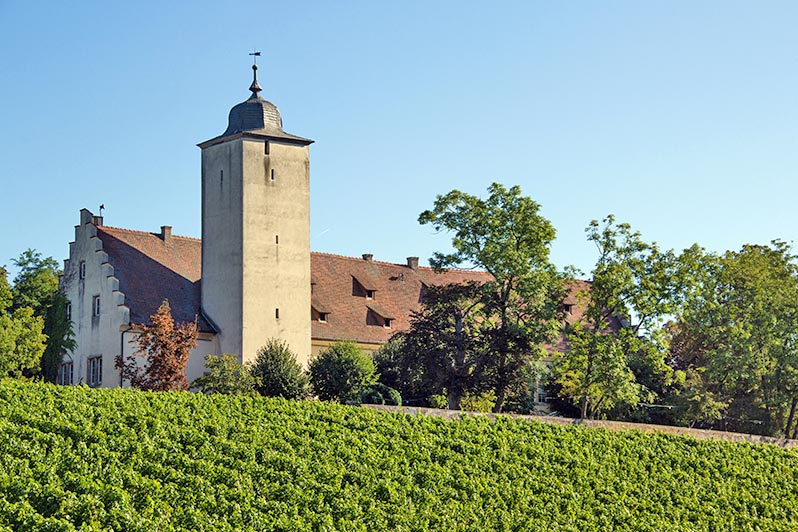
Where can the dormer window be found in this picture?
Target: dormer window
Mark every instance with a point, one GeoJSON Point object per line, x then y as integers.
{"type": "Point", "coordinates": [568, 308]}
{"type": "Point", "coordinates": [323, 317]}
{"type": "Point", "coordinates": [388, 323]}
{"type": "Point", "coordinates": [370, 294]}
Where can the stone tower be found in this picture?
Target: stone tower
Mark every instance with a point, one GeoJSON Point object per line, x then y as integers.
{"type": "Point", "coordinates": [256, 231]}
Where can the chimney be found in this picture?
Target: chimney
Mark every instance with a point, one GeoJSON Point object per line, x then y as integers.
{"type": "Point", "coordinates": [97, 220]}
{"type": "Point", "coordinates": [367, 257]}
{"type": "Point", "coordinates": [166, 233]}
{"type": "Point", "coordinates": [412, 263]}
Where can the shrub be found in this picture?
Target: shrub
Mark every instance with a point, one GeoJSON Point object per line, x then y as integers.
{"type": "Point", "coordinates": [341, 372]}
{"type": "Point", "coordinates": [277, 372]}
{"type": "Point", "coordinates": [225, 375]}
{"type": "Point", "coordinates": [380, 394]}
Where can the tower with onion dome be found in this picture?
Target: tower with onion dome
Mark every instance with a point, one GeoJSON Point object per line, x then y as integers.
{"type": "Point", "coordinates": [256, 231]}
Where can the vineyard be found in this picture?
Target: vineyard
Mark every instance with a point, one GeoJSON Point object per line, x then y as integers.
{"type": "Point", "coordinates": [73, 458]}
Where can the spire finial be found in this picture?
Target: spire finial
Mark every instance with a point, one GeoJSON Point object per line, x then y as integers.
{"type": "Point", "coordinates": [255, 87]}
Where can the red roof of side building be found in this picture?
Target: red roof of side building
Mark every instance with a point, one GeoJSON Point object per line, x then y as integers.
{"type": "Point", "coordinates": [354, 294]}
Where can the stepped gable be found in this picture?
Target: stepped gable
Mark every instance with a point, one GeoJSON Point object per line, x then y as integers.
{"type": "Point", "coordinates": [340, 289]}
{"type": "Point", "coordinates": [152, 267]}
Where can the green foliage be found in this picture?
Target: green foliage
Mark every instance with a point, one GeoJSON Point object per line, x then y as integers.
{"type": "Point", "coordinates": [341, 372]}
{"type": "Point", "coordinates": [482, 402]}
{"type": "Point", "coordinates": [60, 336]}
{"type": "Point", "coordinates": [22, 341]}
{"type": "Point", "coordinates": [277, 372]}
{"type": "Point", "coordinates": [446, 345]}
{"type": "Point", "coordinates": [380, 394]}
{"type": "Point", "coordinates": [507, 237]}
{"type": "Point", "coordinates": [736, 341]}
{"type": "Point", "coordinates": [225, 374]}
{"type": "Point", "coordinates": [36, 281]}
{"type": "Point", "coordinates": [74, 458]}
{"type": "Point", "coordinates": [617, 351]}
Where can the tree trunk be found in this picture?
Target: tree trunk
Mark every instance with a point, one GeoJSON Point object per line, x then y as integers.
{"type": "Point", "coordinates": [500, 396]}
{"type": "Point", "coordinates": [583, 410]}
{"type": "Point", "coordinates": [791, 417]}
{"type": "Point", "coordinates": [453, 398]}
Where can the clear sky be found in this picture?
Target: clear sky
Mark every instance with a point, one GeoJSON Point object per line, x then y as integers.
{"type": "Point", "coordinates": [679, 117]}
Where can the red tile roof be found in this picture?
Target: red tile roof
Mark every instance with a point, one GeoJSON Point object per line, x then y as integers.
{"type": "Point", "coordinates": [150, 270]}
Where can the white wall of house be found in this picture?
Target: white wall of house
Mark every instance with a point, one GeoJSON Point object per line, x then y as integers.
{"type": "Point", "coordinates": [101, 336]}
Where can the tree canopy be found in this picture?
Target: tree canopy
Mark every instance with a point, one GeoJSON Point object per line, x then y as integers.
{"type": "Point", "coordinates": [521, 308]}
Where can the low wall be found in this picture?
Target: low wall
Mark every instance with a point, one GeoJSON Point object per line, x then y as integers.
{"type": "Point", "coordinates": [610, 425]}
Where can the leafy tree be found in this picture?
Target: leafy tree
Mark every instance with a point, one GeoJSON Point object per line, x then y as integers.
{"type": "Point", "coordinates": [36, 281]}
{"type": "Point", "coordinates": [446, 343]}
{"type": "Point", "coordinates": [617, 353]}
{"type": "Point", "coordinates": [277, 372]}
{"type": "Point", "coordinates": [225, 375]}
{"type": "Point", "coordinates": [341, 372]}
{"type": "Point", "coordinates": [22, 341]}
{"type": "Point", "coordinates": [737, 340]}
{"type": "Point", "coordinates": [165, 348]}
{"type": "Point", "coordinates": [36, 287]}
{"type": "Point", "coordinates": [60, 336]}
{"type": "Point", "coordinates": [506, 236]}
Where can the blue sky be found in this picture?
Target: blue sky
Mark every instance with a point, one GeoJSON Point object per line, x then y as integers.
{"type": "Point", "coordinates": [678, 117]}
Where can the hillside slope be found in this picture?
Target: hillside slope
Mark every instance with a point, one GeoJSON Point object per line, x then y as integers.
{"type": "Point", "coordinates": [73, 458]}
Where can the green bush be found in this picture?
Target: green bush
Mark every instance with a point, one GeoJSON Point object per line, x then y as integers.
{"type": "Point", "coordinates": [225, 375]}
{"type": "Point", "coordinates": [277, 372]}
{"type": "Point", "coordinates": [341, 371]}
{"type": "Point", "coordinates": [380, 394]}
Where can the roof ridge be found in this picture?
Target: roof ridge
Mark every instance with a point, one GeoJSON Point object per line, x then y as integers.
{"type": "Point", "coordinates": [136, 231]}
{"type": "Point", "coordinates": [399, 264]}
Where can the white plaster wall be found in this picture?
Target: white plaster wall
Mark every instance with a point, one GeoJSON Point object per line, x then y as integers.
{"type": "Point", "coordinates": [222, 221]}
{"type": "Point", "coordinates": [95, 335]}
{"type": "Point", "coordinates": [276, 273]}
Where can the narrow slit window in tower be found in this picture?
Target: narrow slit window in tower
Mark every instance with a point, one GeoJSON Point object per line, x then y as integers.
{"type": "Point", "coordinates": [277, 313]}
{"type": "Point", "coordinates": [276, 239]}
{"type": "Point", "coordinates": [266, 148]}
{"type": "Point", "coordinates": [272, 174]}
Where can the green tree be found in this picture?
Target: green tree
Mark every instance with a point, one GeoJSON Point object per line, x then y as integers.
{"type": "Point", "coordinates": [507, 236]}
{"type": "Point", "coordinates": [165, 346]}
{"type": "Point", "coordinates": [225, 375]}
{"type": "Point", "coordinates": [22, 341]}
{"type": "Point", "coordinates": [341, 372]}
{"type": "Point", "coordinates": [618, 350]}
{"type": "Point", "coordinates": [737, 339]}
{"type": "Point", "coordinates": [60, 336]}
{"type": "Point", "coordinates": [446, 343]}
{"type": "Point", "coordinates": [277, 372]}
{"type": "Point", "coordinates": [36, 281]}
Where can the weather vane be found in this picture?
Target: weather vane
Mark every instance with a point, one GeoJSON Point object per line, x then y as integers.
{"type": "Point", "coordinates": [255, 56]}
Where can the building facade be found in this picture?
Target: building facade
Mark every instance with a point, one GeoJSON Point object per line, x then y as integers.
{"type": "Point", "coordinates": [252, 277]}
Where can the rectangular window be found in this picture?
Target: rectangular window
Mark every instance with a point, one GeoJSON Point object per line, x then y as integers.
{"type": "Point", "coordinates": [82, 269]}
{"type": "Point", "coordinates": [94, 371]}
{"type": "Point", "coordinates": [272, 174]}
{"type": "Point", "coordinates": [541, 397]}
{"type": "Point", "coordinates": [95, 305]}
{"type": "Point", "coordinates": [266, 148]}
{"type": "Point", "coordinates": [65, 373]}
{"type": "Point", "coordinates": [69, 311]}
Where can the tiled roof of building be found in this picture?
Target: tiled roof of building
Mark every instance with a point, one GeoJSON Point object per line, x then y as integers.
{"type": "Point", "coordinates": [355, 295]}
{"type": "Point", "coordinates": [151, 269]}
{"type": "Point", "coordinates": [341, 285]}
